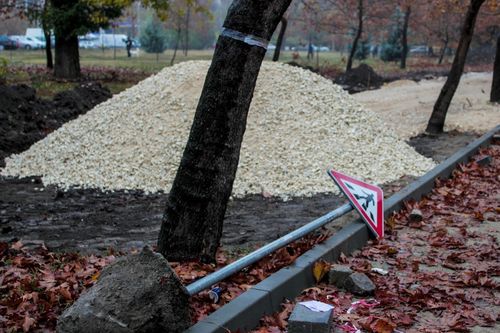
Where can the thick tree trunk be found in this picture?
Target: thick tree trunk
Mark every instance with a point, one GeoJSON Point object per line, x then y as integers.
{"type": "Point", "coordinates": [495, 85]}
{"type": "Point", "coordinates": [176, 46]}
{"type": "Point", "coordinates": [279, 42]}
{"type": "Point", "coordinates": [404, 38]}
{"type": "Point", "coordinates": [67, 65]}
{"type": "Point", "coordinates": [67, 62]}
{"type": "Point", "coordinates": [436, 122]}
{"type": "Point", "coordinates": [192, 224]}
{"type": "Point", "coordinates": [359, 31]}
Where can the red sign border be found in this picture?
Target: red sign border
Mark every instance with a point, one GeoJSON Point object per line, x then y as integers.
{"type": "Point", "coordinates": [338, 177]}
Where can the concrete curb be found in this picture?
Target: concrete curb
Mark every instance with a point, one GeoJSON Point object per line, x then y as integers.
{"type": "Point", "coordinates": [245, 311]}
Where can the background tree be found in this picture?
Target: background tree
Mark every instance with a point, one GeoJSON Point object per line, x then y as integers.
{"type": "Point", "coordinates": [406, 8]}
{"type": "Point", "coordinates": [153, 37]}
{"type": "Point", "coordinates": [353, 18]}
{"type": "Point", "coordinates": [281, 38]}
{"type": "Point", "coordinates": [392, 49]}
{"type": "Point", "coordinates": [441, 21]}
{"type": "Point", "coordinates": [438, 116]}
{"type": "Point", "coordinates": [32, 11]}
{"type": "Point", "coordinates": [495, 84]}
{"type": "Point", "coordinates": [179, 14]}
{"type": "Point", "coordinates": [192, 224]}
{"type": "Point", "coordinates": [70, 18]}
{"type": "Point", "coordinates": [357, 34]}
{"type": "Point", "coordinates": [363, 50]}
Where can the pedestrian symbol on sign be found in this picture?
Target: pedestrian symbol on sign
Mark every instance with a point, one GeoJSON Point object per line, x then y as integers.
{"type": "Point", "coordinates": [366, 198]}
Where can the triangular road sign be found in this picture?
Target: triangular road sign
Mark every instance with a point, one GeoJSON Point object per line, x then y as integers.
{"type": "Point", "coordinates": [366, 198]}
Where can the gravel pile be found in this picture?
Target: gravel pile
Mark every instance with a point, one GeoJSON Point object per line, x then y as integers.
{"type": "Point", "coordinates": [299, 125]}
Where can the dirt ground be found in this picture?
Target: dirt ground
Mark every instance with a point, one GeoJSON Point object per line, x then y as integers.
{"type": "Point", "coordinates": [91, 221]}
{"type": "Point", "coordinates": [26, 118]}
{"type": "Point", "coordinates": [407, 105]}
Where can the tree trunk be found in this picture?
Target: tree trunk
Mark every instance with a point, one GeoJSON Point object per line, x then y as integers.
{"type": "Point", "coordinates": [67, 62]}
{"type": "Point", "coordinates": [310, 49]}
{"type": "Point", "coordinates": [48, 49]}
{"type": "Point", "coordinates": [495, 85]}
{"type": "Point", "coordinates": [176, 46]}
{"type": "Point", "coordinates": [279, 42]}
{"type": "Point", "coordinates": [443, 51]}
{"type": "Point", "coordinates": [436, 122]}
{"type": "Point", "coordinates": [192, 224]}
{"type": "Point", "coordinates": [186, 34]}
{"type": "Point", "coordinates": [357, 37]}
{"type": "Point", "coordinates": [404, 38]}
{"type": "Point", "coordinates": [47, 35]}
{"type": "Point", "coordinates": [67, 65]}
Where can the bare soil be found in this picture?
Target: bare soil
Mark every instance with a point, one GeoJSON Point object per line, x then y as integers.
{"type": "Point", "coordinates": [91, 221]}
{"type": "Point", "coordinates": [94, 221]}
{"type": "Point", "coordinates": [407, 105]}
{"type": "Point", "coordinates": [25, 118]}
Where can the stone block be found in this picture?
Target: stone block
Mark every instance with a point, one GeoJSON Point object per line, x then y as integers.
{"type": "Point", "coordinates": [304, 320]}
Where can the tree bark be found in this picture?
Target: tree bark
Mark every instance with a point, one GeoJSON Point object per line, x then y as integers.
{"type": "Point", "coordinates": [48, 49]}
{"type": "Point", "coordinates": [404, 37]}
{"type": "Point", "coordinates": [359, 31]}
{"type": "Point", "coordinates": [192, 224]}
{"type": "Point", "coordinates": [495, 85]}
{"type": "Point", "coordinates": [47, 35]}
{"type": "Point", "coordinates": [67, 65]}
{"type": "Point", "coordinates": [67, 62]}
{"type": "Point", "coordinates": [436, 122]}
{"type": "Point", "coordinates": [279, 42]}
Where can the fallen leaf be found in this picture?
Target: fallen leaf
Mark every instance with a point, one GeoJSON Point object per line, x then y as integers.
{"type": "Point", "coordinates": [320, 268]}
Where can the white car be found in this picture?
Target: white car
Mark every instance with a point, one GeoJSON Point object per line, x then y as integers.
{"type": "Point", "coordinates": [28, 43]}
{"type": "Point", "coordinates": [86, 44]}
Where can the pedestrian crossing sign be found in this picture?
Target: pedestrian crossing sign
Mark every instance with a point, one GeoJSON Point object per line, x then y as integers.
{"type": "Point", "coordinates": [367, 199]}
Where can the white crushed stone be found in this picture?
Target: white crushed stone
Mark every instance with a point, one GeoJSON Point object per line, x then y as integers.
{"type": "Point", "coordinates": [299, 125]}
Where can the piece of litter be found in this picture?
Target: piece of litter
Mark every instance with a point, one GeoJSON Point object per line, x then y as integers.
{"type": "Point", "coordinates": [380, 271]}
{"type": "Point", "coordinates": [317, 306]}
{"type": "Point", "coordinates": [214, 294]}
{"type": "Point", "coordinates": [363, 304]}
{"type": "Point", "coordinates": [349, 327]}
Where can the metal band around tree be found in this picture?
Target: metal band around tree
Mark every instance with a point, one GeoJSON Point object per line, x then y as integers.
{"type": "Point", "coordinates": [247, 39]}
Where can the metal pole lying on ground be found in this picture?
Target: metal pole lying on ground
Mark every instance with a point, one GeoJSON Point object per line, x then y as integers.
{"type": "Point", "coordinates": [256, 255]}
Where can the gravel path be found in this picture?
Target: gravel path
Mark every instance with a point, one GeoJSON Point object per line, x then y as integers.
{"type": "Point", "coordinates": [299, 125]}
{"type": "Point", "coordinates": [407, 105]}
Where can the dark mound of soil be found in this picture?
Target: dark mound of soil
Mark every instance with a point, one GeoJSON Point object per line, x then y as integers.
{"type": "Point", "coordinates": [360, 79]}
{"type": "Point", "coordinates": [25, 119]}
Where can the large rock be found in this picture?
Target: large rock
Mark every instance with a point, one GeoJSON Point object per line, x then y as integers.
{"type": "Point", "coordinates": [359, 284]}
{"type": "Point", "coordinates": [137, 293]}
{"type": "Point", "coordinates": [338, 274]}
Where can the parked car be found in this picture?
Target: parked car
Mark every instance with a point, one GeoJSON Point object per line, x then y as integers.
{"type": "Point", "coordinates": [28, 43]}
{"type": "Point", "coordinates": [6, 43]}
{"type": "Point", "coordinates": [419, 50]}
{"type": "Point", "coordinates": [84, 43]}
{"type": "Point", "coordinates": [42, 40]}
